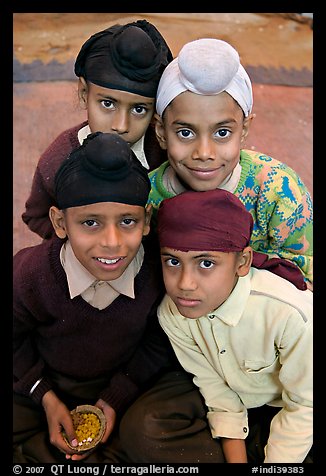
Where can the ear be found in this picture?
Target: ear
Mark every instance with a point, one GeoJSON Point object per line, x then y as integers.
{"type": "Point", "coordinates": [82, 92]}
{"type": "Point", "coordinates": [148, 216]}
{"type": "Point", "coordinates": [160, 131]}
{"type": "Point", "coordinates": [57, 218]}
{"type": "Point", "coordinates": [245, 261]}
{"type": "Point", "coordinates": [246, 126]}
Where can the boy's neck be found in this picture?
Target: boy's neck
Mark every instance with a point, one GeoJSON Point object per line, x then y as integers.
{"type": "Point", "coordinates": [175, 185]}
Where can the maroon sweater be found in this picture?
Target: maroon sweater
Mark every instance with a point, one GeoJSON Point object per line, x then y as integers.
{"type": "Point", "coordinates": [36, 214]}
{"type": "Point", "coordinates": [123, 343]}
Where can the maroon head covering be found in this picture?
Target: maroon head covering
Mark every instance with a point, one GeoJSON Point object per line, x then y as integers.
{"type": "Point", "coordinates": [216, 220]}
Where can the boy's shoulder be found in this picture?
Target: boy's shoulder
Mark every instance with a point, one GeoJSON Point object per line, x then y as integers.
{"type": "Point", "coordinates": [34, 262]}
{"type": "Point", "coordinates": [69, 136]}
{"type": "Point", "coordinates": [264, 169]}
{"type": "Point", "coordinates": [59, 150]}
{"type": "Point", "coordinates": [64, 142]}
{"type": "Point", "coordinates": [159, 171]}
{"type": "Point", "coordinates": [270, 285]}
{"type": "Point", "coordinates": [264, 162]}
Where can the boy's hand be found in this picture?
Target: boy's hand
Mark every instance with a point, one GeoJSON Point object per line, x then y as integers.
{"type": "Point", "coordinates": [110, 417]}
{"type": "Point", "coordinates": [234, 450]}
{"type": "Point", "coordinates": [59, 418]}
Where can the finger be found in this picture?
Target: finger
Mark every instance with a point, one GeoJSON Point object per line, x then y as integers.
{"type": "Point", "coordinates": [76, 457]}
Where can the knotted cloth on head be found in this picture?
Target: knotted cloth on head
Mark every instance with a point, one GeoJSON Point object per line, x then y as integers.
{"type": "Point", "coordinates": [215, 220]}
{"type": "Point", "coordinates": [206, 66]}
{"type": "Point", "coordinates": [127, 57]}
{"type": "Point", "coordinates": [102, 169]}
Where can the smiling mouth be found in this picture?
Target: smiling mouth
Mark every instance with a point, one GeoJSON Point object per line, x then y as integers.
{"type": "Point", "coordinates": [204, 171]}
{"type": "Point", "coordinates": [108, 261]}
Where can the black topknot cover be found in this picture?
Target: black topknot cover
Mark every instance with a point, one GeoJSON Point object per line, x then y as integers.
{"type": "Point", "coordinates": [129, 57]}
{"type": "Point", "coordinates": [102, 169]}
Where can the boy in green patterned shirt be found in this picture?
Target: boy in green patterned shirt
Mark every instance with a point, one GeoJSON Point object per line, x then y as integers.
{"type": "Point", "coordinates": [202, 121]}
{"type": "Point", "coordinates": [204, 105]}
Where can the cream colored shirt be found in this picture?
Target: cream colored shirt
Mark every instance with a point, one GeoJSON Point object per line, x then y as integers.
{"type": "Point", "coordinates": [255, 349]}
{"type": "Point", "coordinates": [137, 148]}
{"type": "Point", "coordinates": [99, 294]}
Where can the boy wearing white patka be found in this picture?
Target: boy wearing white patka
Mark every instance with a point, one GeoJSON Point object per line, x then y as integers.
{"type": "Point", "coordinates": [204, 112]}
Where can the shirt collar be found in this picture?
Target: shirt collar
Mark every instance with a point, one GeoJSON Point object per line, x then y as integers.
{"type": "Point", "coordinates": [232, 309]}
{"type": "Point", "coordinates": [83, 133]}
{"type": "Point", "coordinates": [137, 148]}
{"type": "Point", "coordinates": [79, 279]}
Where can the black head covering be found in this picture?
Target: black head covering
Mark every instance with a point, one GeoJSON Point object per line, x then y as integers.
{"type": "Point", "coordinates": [102, 169]}
{"type": "Point", "coordinates": [129, 57]}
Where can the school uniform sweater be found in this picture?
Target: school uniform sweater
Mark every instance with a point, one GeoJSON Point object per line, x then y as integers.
{"type": "Point", "coordinates": [36, 214]}
{"type": "Point", "coordinates": [122, 342]}
{"type": "Point", "coordinates": [278, 201]}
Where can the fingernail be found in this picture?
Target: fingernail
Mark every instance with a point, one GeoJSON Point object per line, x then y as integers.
{"type": "Point", "coordinates": [74, 442]}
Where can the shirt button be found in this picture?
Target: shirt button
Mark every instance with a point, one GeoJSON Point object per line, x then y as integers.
{"type": "Point", "coordinates": [212, 316]}
{"type": "Point", "coordinates": [245, 429]}
{"type": "Point", "coordinates": [223, 351]}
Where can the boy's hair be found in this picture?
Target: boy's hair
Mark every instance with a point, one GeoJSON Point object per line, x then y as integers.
{"type": "Point", "coordinates": [102, 169]}
{"type": "Point", "coordinates": [127, 57]}
{"type": "Point", "coordinates": [206, 66]}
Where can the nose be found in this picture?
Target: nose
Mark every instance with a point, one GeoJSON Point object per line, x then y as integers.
{"type": "Point", "coordinates": [205, 149]}
{"type": "Point", "coordinates": [120, 123]}
{"type": "Point", "coordinates": [187, 281]}
{"type": "Point", "coordinates": [110, 237]}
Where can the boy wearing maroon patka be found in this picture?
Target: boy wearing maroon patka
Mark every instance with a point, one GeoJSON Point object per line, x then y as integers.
{"type": "Point", "coordinates": [242, 333]}
{"type": "Point", "coordinates": [85, 305]}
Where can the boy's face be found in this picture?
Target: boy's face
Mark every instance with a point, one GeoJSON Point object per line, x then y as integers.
{"type": "Point", "coordinates": [203, 136]}
{"type": "Point", "coordinates": [115, 111]}
{"type": "Point", "coordinates": [105, 237]}
{"type": "Point", "coordinates": [200, 281]}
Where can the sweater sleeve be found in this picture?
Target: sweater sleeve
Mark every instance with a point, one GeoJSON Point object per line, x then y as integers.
{"type": "Point", "coordinates": [28, 365]}
{"type": "Point", "coordinates": [41, 198]}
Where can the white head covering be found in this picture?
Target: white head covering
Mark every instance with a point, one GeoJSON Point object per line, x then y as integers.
{"type": "Point", "coordinates": [206, 66]}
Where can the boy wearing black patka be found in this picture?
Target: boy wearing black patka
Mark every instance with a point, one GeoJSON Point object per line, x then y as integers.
{"type": "Point", "coordinates": [85, 304]}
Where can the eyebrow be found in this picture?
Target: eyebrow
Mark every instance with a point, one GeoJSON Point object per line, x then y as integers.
{"type": "Point", "coordinates": [218, 124]}
{"type": "Point", "coordinates": [95, 216]}
{"type": "Point", "coordinates": [89, 216]}
{"type": "Point", "coordinates": [207, 255]}
{"type": "Point", "coordinates": [150, 102]}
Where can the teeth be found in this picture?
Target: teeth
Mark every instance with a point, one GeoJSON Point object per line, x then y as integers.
{"type": "Point", "coordinates": [108, 261]}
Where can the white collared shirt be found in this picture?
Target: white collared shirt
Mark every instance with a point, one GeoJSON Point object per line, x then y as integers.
{"type": "Point", "coordinates": [99, 294]}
